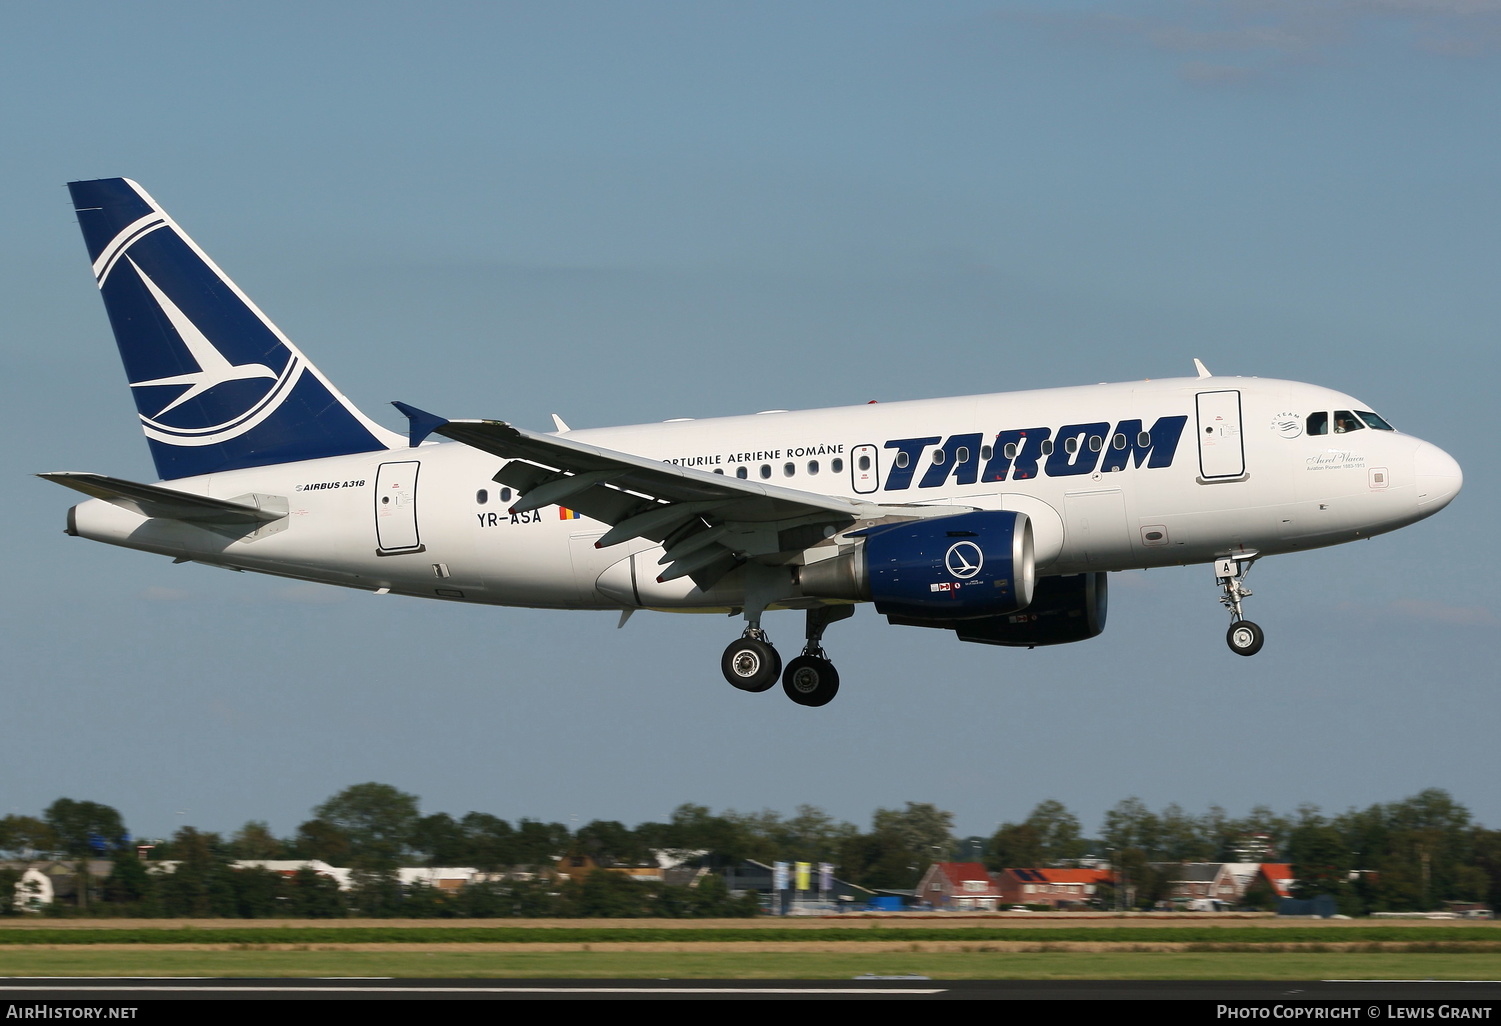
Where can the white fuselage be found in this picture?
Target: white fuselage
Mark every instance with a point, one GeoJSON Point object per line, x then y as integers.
{"type": "Point", "coordinates": [1243, 474]}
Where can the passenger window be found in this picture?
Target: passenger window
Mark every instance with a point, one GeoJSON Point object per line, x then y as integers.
{"type": "Point", "coordinates": [837, 465]}
{"type": "Point", "coordinates": [482, 496]}
{"type": "Point", "coordinates": [765, 471]}
{"type": "Point", "coordinates": [961, 455]}
{"type": "Point", "coordinates": [901, 459]}
{"type": "Point", "coordinates": [1009, 451]}
{"type": "Point", "coordinates": [1345, 421]}
{"type": "Point", "coordinates": [1318, 423]}
{"type": "Point", "coordinates": [865, 463]}
{"type": "Point", "coordinates": [1119, 441]}
{"type": "Point", "coordinates": [812, 467]}
{"type": "Point", "coordinates": [938, 457]}
{"type": "Point", "coordinates": [741, 473]}
{"type": "Point", "coordinates": [985, 453]}
{"type": "Point", "coordinates": [1143, 440]}
{"type": "Point", "coordinates": [788, 470]}
{"type": "Point", "coordinates": [719, 471]}
{"type": "Point", "coordinates": [1071, 445]}
{"type": "Point", "coordinates": [1047, 447]}
{"type": "Point", "coordinates": [1096, 443]}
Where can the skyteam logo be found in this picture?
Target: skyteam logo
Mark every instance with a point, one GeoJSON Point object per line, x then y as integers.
{"type": "Point", "coordinates": [211, 393]}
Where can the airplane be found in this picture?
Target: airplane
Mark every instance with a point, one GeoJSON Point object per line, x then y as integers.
{"type": "Point", "coordinates": [996, 517]}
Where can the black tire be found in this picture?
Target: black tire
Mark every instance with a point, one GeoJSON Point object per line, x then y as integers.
{"type": "Point", "coordinates": [1245, 638]}
{"type": "Point", "coordinates": [809, 680]}
{"type": "Point", "coordinates": [751, 665]}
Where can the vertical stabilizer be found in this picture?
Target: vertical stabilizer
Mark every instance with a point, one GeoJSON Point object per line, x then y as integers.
{"type": "Point", "coordinates": [217, 385]}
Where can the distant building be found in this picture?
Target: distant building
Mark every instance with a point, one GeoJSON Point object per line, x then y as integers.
{"type": "Point", "coordinates": [283, 867]}
{"type": "Point", "coordinates": [959, 886]}
{"type": "Point", "coordinates": [45, 881]}
{"type": "Point", "coordinates": [1279, 877]}
{"type": "Point", "coordinates": [1060, 888]}
{"type": "Point", "coordinates": [748, 875]}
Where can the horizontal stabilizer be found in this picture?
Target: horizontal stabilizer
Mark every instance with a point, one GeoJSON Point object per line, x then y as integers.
{"type": "Point", "coordinates": [169, 504]}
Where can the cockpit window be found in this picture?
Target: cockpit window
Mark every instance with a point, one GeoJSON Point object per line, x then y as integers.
{"type": "Point", "coordinates": [1374, 421]}
{"type": "Point", "coordinates": [1318, 423]}
{"type": "Point", "coordinates": [1345, 421]}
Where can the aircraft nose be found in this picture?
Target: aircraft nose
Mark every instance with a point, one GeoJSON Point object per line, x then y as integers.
{"type": "Point", "coordinates": [1438, 475]}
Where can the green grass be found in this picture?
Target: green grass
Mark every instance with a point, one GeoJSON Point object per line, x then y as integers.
{"type": "Point", "coordinates": [249, 934]}
{"type": "Point", "coordinates": [1231, 952]}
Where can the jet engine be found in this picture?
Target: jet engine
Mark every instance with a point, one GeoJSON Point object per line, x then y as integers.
{"type": "Point", "coordinates": [1063, 609]}
{"type": "Point", "coordinates": [962, 567]}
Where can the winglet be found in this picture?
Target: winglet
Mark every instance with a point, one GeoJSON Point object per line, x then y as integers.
{"type": "Point", "coordinates": [420, 423]}
{"type": "Point", "coordinates": [558, 421]}
{"type": "Point", "coordinates": [1203, 370]}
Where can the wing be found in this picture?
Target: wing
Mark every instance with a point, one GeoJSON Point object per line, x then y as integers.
{"type": "Point", "coordinates": [707, 523]}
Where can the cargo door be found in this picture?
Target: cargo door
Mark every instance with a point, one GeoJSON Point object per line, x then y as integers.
{"type": "Point", "coordinates": [396, 508]}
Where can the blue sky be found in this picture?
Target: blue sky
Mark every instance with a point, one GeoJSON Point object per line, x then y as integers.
{"type": "Point", "coordinates": [624, 212]}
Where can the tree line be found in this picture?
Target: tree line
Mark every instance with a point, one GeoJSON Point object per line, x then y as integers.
{"type": "Point", "coordinates": [1413, 854]}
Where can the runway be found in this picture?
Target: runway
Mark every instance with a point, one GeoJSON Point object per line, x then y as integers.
{"type": "Point", "coordinates": [1371, 996]}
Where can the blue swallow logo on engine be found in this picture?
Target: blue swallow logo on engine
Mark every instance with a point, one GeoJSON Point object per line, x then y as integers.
{"type": "Point", "coordinates": [964, 559]}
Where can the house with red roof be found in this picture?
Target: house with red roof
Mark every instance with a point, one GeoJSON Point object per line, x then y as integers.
{"type": "Point", "coordinates": [1060, 888]}
{"type": "Point", "coordinates": [958, 886]}
{"type": "Point", "coordinates": [1279, 876]}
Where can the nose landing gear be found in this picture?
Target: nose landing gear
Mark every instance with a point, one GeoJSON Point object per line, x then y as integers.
{"type": "Point", "coordinates": [1244, 637]}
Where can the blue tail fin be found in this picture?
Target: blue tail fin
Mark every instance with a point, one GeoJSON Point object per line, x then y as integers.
{"type": "Point", "coordinates": [217, 385]}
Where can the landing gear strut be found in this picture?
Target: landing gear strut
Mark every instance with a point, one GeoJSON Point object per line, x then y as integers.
{"type": "Point", "coordinates": [811, 679]}
{"type": "Point", "coordinates": [750, 663]}
{"type": "Point", "coordinates": [1244, 637]}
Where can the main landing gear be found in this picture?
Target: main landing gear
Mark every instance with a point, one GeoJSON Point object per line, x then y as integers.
{"type": "Point", "coordinates": [1244, 637]}
{"type": "Point", "coordinates": [750, 663]}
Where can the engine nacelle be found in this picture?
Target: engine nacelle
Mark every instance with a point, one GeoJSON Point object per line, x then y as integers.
{"type": "Point", "coordinates": [1063, 609]}
{"type": "Point", "coordinates": [963, 567]}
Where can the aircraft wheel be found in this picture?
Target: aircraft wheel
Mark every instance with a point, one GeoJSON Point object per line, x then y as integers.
{"type": "Point", "coordinates": [751, 664]}
{"type": "Point", "coordinates": [1245, 638]}
{"type": "Point", "coordinates": [810, 680]}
